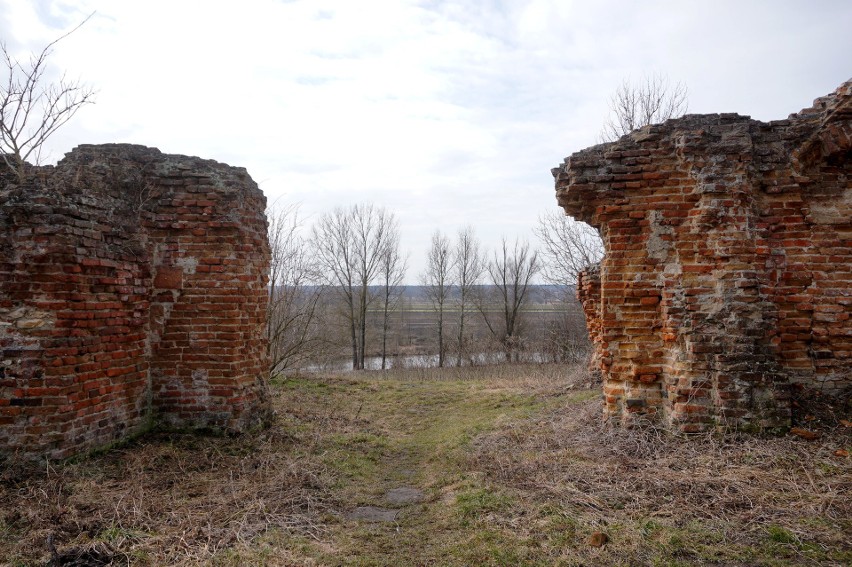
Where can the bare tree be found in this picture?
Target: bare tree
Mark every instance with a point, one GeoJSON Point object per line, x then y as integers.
{"type": "Point", "coordinates": [374, 229]}
{"type": "Point", "coordinates": [511, 271]}
{"type": "Point", "coordinates": [31, 108]}
{"type": "Point", "coordinates": [350, 244]}
{"type": "Point", "coordinates": [437, 281]}
{"type": "Point", "coordinates": [332, 239]}
{"type": "Point", "coordinates": [469, 267]}
{"type": "Point", "coordinates": [391, 274]}
{"type": "Point", "coordinates": [294, 292]}
{"type": "Point", "coordinates": [568, 247]}
{"type": "Point", "coordinates": [565, 338]}
{"type": "Point", "coordinates": [650, 101]}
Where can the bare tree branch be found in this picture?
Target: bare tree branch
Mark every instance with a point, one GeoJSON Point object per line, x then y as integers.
{"type": "Point", "coordinates": [650, 101]}
{"type": "Point", "coordinates": [32, 111]}
{"type": "Point", "coordinates": [568, 247]}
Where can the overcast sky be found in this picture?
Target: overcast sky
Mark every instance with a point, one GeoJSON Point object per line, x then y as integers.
{"type": "Point", "coordinates": [447, 113]}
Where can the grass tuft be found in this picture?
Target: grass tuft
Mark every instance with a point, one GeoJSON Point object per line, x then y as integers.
{"type": "Point", "coordinates": [514, 465]}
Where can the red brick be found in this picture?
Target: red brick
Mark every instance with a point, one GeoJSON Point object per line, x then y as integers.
{"type": "Point", "coordinates": [101, 295]}
{"type": "Point", "coordinates": [747, 279]}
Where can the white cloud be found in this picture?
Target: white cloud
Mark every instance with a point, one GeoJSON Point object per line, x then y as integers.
{"type": "Point", "coordinates": [449, 113]}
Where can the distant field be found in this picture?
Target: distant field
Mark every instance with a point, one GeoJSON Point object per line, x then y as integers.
{"type": "Point", "coordinates": [413, 327]}
{"type": "Point", "coordinates": [533, 308]}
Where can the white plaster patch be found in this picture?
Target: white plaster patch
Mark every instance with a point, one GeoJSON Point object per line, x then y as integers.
{"type": "Point", "coordinates": [188, 264]}
{"type": "Point", "coordinates": [656, 246]}
{"type": "Point", "coordinates": [199, 378]}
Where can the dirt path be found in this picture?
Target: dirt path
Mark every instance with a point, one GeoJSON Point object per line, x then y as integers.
{"type": "Point", "coordinates": [403, 465]}
{"type": "Point", "coordinates": [488, 466]}
{"type": "Point", "coordinates": [507, 471]}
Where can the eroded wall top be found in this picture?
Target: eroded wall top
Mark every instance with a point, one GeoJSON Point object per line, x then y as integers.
{"type": "Point", "coordinates": [132, 289]}
{"type": "Point", "coordinates": [728, 264]}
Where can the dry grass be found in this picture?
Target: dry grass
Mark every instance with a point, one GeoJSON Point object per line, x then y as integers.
{"type": "Point", "coordinates": [168, 499]}
{"type": "Point", "coordinates": [514, 461]}
{"type": "Point", "coordinates": [705, 498]}
{"type": "Point", "coordinates": [548, 379]}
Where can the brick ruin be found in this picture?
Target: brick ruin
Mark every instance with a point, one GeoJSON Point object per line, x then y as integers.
{"type": "Point", "coordinates": [727, 275]}
{"type": "Point", "coordinates": [132, 291]}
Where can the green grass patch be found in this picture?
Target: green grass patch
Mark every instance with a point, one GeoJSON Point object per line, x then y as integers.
{"type": "Point", "coordinates": [473, 504]}
{"type": "Point", "coordinates": [779, 534]}
{"type": "Point", "coordinates": [511, 463]}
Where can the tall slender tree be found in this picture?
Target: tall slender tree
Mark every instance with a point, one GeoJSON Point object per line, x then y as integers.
{"type": "Point", "coordinates": [437, 282]}
{"type": "Point", "coordinates": [469, 266]}
{"type": "Point", "coordinates": [333, 241]}
{"type": "Point", "coordinates": [391, 275]}
{"type": "Point", "coordinates": [374, 228]}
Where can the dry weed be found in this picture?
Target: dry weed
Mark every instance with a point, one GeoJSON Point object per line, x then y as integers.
{"type": "Point", "coordinates": [741, 485]}
{"type": "Point", "coordinates": [169, 499]}
{"type": "Point", "coordinates": [534, 378]}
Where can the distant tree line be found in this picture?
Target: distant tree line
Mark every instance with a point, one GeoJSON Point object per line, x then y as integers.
{"type": "Point", "coordinates": [344, 277]}
{"type": "Point", "coordinates": [340, 284]}
{"type": "Point", "coordinates": [337, 286]}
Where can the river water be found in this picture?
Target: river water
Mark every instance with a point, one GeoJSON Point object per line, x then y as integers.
{"type": "Point", "coordinates": [425, 361]}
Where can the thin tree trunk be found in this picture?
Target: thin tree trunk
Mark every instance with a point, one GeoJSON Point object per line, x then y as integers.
{"type": "Point", "coordinates": [354, 335]}
{"type": "Point", "coordinates": [460, 352]}
{"type": "Point", "coordinates": [441, 335]}
{"type": "Point", "coordinates": [363, 326]}
{"type": "Point", "coordinates": [385, 328]}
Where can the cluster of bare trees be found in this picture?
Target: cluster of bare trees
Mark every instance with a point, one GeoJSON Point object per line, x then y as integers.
{"type": "Point", "coordinates": [347, 266]}
{"type": "Point", "coordinates": [358, 247]}
{"type": "Point", "coordinates": [461, 280]}
{"type": "Point", "coordinates": [451, 283]}
{"type": "Point", "coordinates": [341, 282]}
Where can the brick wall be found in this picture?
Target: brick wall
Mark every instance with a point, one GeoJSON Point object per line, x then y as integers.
{"type": "Point", "coordinates": [132, 289]}
{"type": "Point", "coordinates": [728, 268]}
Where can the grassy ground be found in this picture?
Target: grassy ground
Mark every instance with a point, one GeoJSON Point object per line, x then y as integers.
{"type": "Point", "coordinates": [512, 462]}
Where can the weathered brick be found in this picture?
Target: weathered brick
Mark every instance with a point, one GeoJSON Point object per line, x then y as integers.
{"type": "Point", "coordinates": [108, 290]}
{"type": "Point", "coordinates": [731, 279]}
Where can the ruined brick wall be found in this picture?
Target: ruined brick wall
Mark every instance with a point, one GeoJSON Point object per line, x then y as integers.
{"type": "Point", "coordinates": [728, 268]}
{"type": "Point", "coordinates": [588, 292]}
{"type": "Point", "coordinates": [132, 289]}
